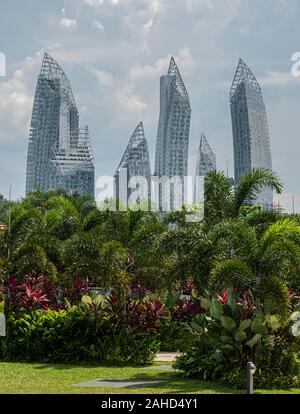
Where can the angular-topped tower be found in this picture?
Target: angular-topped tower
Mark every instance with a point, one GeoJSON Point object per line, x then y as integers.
{"type": "Point", "coordinates": [59, 152]}
{"type": "Point", "coordinates": [135, 161]}
{"type": "Point", "coordinates": [172, 144]}
{"type": "Point", "coordinates": [251, 140]}
{"type": "Point", "coordinates": [206, 160]}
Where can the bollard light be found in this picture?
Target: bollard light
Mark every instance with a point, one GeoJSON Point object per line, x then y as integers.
{"type": "Point", "coordinates": [251, 368]}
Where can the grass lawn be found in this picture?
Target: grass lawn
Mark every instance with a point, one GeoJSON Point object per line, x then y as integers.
{"type": "Point", "coordinates": [22, 378]}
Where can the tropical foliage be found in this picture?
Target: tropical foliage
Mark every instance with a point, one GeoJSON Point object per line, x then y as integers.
{"type": "Point", "coordinates": [234, 331]}
{"type": "Point", "coordinates": [58, 247]}
{"type": "Point", "coordinates": [95, 330]}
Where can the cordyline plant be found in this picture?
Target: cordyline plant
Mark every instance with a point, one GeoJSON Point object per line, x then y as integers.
{"type": "Point", "coordinates": [139, 315]}
{"type": "Point", "coordinates": [184, 308]}
{"type": "Point", "coordinates": [30, 295]}
{"type": "Point", "coordinates": [39, 293]}
{"type": "Point", "coordinates": [144, 315]}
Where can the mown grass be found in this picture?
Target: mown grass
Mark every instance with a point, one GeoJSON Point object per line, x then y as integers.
{"type": "Point", "coordinates": [30, 378]}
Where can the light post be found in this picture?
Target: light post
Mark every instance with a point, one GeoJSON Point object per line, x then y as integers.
{"type": "Point", "coordinates": [9, 223]}
{"type": "Point", "coordinates": [251, 368]}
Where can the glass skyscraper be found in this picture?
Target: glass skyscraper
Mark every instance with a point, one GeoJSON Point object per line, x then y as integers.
{"type": "Point", "coordinates": [251, 140]}
{"type": "Point", "coordinates": [134, 163]}
{"type": "Point", "coordinates": [59, 152]}
{"type": "Point", "coordinates": [172, 145]}
{"type": "Point", "coordinates": [206, 161]}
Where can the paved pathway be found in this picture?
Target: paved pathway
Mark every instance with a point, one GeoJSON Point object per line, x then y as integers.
{"type": "Point", "coordinates": [160, 368]}
{"type": "Point", "coordinates": [118, 383]}
{"type": "Point", "coordinates": [124, 383]}
{"type": "Point", "coordinates": [166, 356]}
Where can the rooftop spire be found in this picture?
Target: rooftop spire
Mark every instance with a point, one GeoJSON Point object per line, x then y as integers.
{"type": "Point", "coordinates": [174, 71]}
{"type": "Point", "coordinates": [52, 70]}
{"type": "Point", "coordinates": [204, 145]}
{"type": "Point", "coordinates": [137, 140]}
{"type": "Point", "coordinates": [206, 161]}
{"type": "Point", "coordinates": [244, 74]}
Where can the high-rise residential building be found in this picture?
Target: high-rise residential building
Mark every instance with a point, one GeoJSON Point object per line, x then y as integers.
{"type": "Point", "coordinates": [206, 161]}
{"type": "Point", "coordinates": [172, 145]}
{"type": "Point", "coordinates": [135, 164]}
{"type": "Point", "coordinates": [59, 151]}
{"type": "Point", "coordinates": [251, 139]}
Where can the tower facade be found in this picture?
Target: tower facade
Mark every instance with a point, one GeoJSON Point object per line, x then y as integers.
{"type": "Point", "coordinates": [172, 144]}
{"type": "Point", "coordinates": [206, 162]}
{"type": "Point", "coordinates": [135, 164]}
{"type": "Point", "coordinates": [251, 139]}
{"type": "Point", "coordinates": [59, 152]}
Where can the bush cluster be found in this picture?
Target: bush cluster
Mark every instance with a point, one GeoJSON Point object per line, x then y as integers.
{"type": "Point", "coordinates": [235, 330]}
{"type": "Point", "coordinates": [99, 329]}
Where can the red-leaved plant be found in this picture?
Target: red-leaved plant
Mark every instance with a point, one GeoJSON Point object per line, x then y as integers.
{"type": "Point", "coordinates": [144, 316]}
{"type": "Point", "coordinates": [185, 310]}
{"type": "Point", "coordinates": [30, 295]}
{"type": "Point", "coordinates": [38, 292]}
{"type": "Point", "coordinates": [244, 300]}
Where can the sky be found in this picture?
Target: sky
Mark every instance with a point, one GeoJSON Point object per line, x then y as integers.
{"type": "Point", "coordinates": [114, 52]}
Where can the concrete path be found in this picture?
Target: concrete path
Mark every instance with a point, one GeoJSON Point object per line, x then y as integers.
{"type": "Point", "coordinates": [166, 356]}
{"type": "Point", "coordinates": [160, 368]}
{"type": "Point", "coordinates": [123, 383]}
{"type": "Point", "coordinates": [118, 383]}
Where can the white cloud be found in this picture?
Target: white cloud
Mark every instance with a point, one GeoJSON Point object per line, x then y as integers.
{"type": "Point", "coordinates": [278, 78]}
{"type": "Point", "coordinates": [93, 2]}
{"type": "Point", "coordinates": [191, 5]}
{"type": "Point", "coordinates": [137, 18]}
{"type": "Point", "coordinates": [216, 18]}
{"type": "Point", "coordinates": [100, 2]}
{"type": "Point", "coordinates": [99, 26]}
{"type": "Point", "coordinates": [184, 61]}
{"type": "Point", "coordinates": [16, 99]}
{"type": "Point", "coordinates": [15, 106]}
{"type": "Point", "coordinates": [122, 96]}
{"type": "Point", "coordinates": [103, 78]}
{"type": "Point", "coordinates": [158, 68]}
{"type": "Point", "coordinates": [128, 100]}
{"type": "Point", "coordinates": [68, 23]}
{"type": "Point", "coordinates": [155, 5]}
{"type": "Point", "coordinates": [148, 26]}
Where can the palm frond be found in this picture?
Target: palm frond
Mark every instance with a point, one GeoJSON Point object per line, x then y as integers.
{"type": "Point", "coordinates": [232, 273]}
{"type": "Point", "coordinates": [237, 238]}
{"type": "Point", "coordinates": [252, 183]}
{"type": "Point", "coordinates": [282, 231]}
{"type": "Point", "coordinates": [218, 195]}
{"type": "Point", "coordinates": [261, 220]}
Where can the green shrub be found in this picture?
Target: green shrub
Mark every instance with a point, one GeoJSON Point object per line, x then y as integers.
{"type": "Point", "coordinates": [80, 334]}
{"type": "Point", "coordinates": [225, 341]}
{"type": "Point", "coordinates": [174, 336]}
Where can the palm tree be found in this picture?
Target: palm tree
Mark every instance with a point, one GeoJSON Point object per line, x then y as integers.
{"type": "Point", "coordinates": [184, 253]}
{"type": "Point", "coordinates": [223, 201]}
{"type": "Point", "coordinates": [246, 259]}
